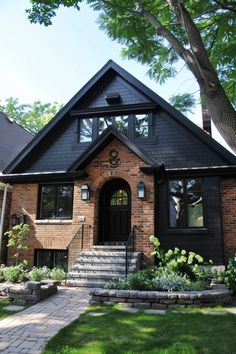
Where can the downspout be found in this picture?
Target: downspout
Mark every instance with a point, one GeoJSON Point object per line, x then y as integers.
{"type": "Point", "coordinates": [4, 202]}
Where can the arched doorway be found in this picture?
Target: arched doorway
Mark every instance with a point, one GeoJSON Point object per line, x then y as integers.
{"type": "Point", "coordinates": [115, 212]}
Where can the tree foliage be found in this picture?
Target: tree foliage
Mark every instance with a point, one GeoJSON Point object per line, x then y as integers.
{"type": "Point", "coordinates": [159, 33]}
{"type": "Point", "coordinates": [32, 117]}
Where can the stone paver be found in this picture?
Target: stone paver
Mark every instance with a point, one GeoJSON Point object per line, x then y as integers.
{"type": "Point", "coordinates": [13, 308]}
{"type": "Point", "coordinates": [29, 331]}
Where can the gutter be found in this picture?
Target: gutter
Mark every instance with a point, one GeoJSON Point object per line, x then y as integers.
{"type": "Point", "coordinates": [5, 188]}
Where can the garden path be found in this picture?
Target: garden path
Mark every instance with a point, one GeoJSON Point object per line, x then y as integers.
{"type": "Point", "coordinates": [28, 331]}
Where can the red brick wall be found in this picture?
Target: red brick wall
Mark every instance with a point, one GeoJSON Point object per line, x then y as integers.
{"type": "Point", "coordinates": [56, 235]}
{"type": "Point", "coordinates": [228, 200]}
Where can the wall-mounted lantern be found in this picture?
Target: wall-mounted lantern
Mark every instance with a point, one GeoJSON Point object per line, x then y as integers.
{"type": "Point", "coordinates": [141, 190]}
{"type": "Point", "coordinates": [22, 218]}
{"type": "Point", "coordinates": [14, 219]}
{"type": "Point", "coordinates": [17, 219]}
{"type": "Point", "coordinates": [85, 193]}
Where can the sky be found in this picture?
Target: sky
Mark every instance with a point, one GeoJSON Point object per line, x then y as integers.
{"type": "Point", "coordinates": [52, 63]}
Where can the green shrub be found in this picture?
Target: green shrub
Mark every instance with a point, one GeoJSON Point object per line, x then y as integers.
{"type": "Point", "coordinates": [15, 274]}
{"type": "Point", "coordinates": [139, 281]}
{"type": "Point", "coordinates": [171, 281]}
{"type": "Point", "coordinates": [57, 274]}
{"type": "Point", "coordinates": [117, 283]}
{"type": "Point", "coordinates": [229, 276]}
{"type": "Point", "coordinates": [37, 274]}
{"type": "Point", "coordinates": [176, 260]}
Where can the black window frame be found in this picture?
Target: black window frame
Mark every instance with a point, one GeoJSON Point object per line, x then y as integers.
{"type": "Point", "coordinates": [131, 131]}
{"type": "Point", "coordinates": [57, 185]}
{"type": "Point", "coordinates": [185, 199]}
{"type": "Point", "coordinates": [52, 257]}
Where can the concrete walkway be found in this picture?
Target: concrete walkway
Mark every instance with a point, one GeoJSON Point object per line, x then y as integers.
{"type": "Point", "coordinates": [30, 330]}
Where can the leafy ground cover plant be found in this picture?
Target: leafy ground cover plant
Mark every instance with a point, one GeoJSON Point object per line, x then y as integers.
{"type": "Point", "coordinates": [57, 274]}
{"type": "Point", "coordinates": [15, 274]}
{"type": "Point", "coordinates": [37, 274]}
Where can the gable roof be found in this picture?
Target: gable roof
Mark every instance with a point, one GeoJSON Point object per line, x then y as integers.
{"type": "Point", "coordinates": [13, 138]}
{"type": "Point", "coordinates": [112, 66]}
{"type": "Point", "coordinates": [102, 140]}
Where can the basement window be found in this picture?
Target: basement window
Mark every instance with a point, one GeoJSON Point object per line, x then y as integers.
{"type": "Point", "coordinates": [51, 258]}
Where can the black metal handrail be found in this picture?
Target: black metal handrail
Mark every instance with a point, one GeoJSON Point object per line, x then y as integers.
{"type": "Point", "coordinates": [129, 249]}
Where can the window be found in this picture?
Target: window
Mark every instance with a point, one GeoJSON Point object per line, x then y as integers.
{"type": "Point", "coordinates": [55, 201]}
{"type": "Point", "coordinates": [141, 125]}
{"type": "Point", "coordinates": [86, 131]}
{"type": "Point", "coordinates": [120, 122]}
{"type": "Point", "coordinates": [51, 258]}
{"type": "Point", "coordinates": [136, 126]}
{"type": "Point", "coordinates": [119, 197]}
{"type": "Point", "coordinates": [185, 203]}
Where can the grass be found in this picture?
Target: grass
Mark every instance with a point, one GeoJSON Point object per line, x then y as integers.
{"type": "Point", "coordinates": [127, 333]}
{"type": "Point", "coordinates": [4, 313]}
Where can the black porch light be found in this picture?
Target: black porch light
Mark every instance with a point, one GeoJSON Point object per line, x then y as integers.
{"type": "Point", "coordinates": [14, 219]}
{"type": "Point", "coordinates": [85, 192]}
{"type": "Point", "coordinates": [141, 190]}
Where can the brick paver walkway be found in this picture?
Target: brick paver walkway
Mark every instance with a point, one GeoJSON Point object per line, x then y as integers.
{"type": "Point", "coordinates": [29, 331]}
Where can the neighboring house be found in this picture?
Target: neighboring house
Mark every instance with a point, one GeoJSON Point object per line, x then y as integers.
{"type": "Point", "coordinates": [118, 156]}
{"type": "Point", "coordinates": [13, 138]}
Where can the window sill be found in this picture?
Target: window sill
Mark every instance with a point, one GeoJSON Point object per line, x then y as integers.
{"type": "Point", "coordinates": [53, 222]}
{"type": "Point", "coordinates": [193, 231]}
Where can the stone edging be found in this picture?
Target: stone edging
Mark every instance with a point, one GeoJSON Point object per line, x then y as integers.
{"type": "Point", "coordinates": [29, 292]}
{"type": "Point", "coordinates": [218, 294]}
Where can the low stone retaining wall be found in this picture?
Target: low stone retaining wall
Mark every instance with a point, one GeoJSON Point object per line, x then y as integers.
{"type": "Point", "coordinates": [217, 295]}
{"type": "Point", "coordinates": [30, 292]}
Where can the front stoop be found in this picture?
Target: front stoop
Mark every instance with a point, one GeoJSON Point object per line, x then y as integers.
{"type": "Point", "coordinates": [96, 268]}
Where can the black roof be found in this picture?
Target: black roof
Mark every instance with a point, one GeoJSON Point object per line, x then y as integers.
{"type": "Point", "coordinates": [13, 138]}
{"type": "Point", "coordinates": [111, 66]}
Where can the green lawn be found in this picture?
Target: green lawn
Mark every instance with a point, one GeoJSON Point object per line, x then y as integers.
{"type": "Point", "coordinates": [121, 332]}
{"type": "Point", "coordinates": [4, 313]}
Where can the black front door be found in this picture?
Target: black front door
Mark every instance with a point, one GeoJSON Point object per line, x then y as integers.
{"type": "Point", "coordinates": [115, 211]}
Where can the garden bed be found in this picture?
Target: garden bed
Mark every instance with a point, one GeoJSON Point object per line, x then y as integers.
{"type": "Point", "coordinates": [217, 295]}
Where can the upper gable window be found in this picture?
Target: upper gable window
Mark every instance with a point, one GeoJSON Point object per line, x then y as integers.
{"type": "Point", "coordinates": [86, 130]}
{"type": "Point", "coordinates": [142, 125]}
{"type": "Point", "coordinates": [135, 126]}
{"type": "Point", "coordinates": [120, 122]}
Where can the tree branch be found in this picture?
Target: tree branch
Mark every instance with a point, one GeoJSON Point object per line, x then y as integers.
{"type": "Point", "coordinates": [207, 72]}
{"type": "Point", "coordinates": [185, 54]}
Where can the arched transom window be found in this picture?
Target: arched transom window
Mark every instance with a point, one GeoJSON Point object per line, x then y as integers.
{"type": "Point", "coordinates": [119, 197]}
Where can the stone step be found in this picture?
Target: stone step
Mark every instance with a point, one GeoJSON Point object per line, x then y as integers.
{"type": "Point", "coordinates": [85, 283]}
{"type": "Point", "coordinates": [108, 248]}
{"type": "Point", "coordinates": [106, 254]}
{"type": "Point", "coordinates": [101, 267]}
{"type": "Point", "coordinates": [105, 261]}
{"type": "Point", "coordinates": [95, 276]}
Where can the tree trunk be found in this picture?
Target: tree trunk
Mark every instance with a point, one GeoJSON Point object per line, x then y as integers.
{"type": "Point", "coordinates": [222, 114]}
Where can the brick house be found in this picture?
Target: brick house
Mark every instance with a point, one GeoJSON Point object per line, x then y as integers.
{"type": "Point", "coordinates": [12, 140]}
{"type": "Point", "coordinates": [118, 163]}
